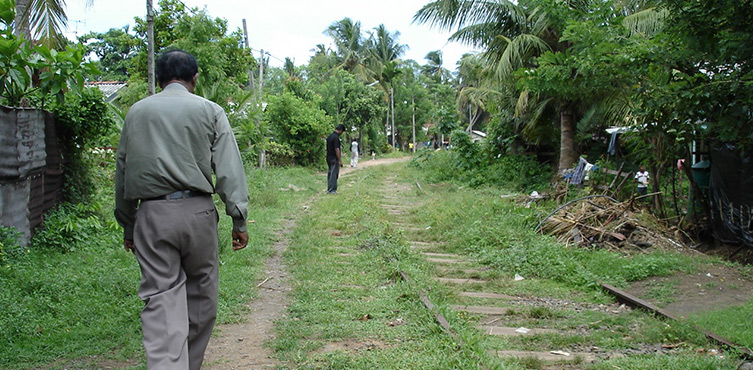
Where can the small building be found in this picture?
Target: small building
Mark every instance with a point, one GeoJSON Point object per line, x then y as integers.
{"type": "Point", "coordinates": [109, 88]}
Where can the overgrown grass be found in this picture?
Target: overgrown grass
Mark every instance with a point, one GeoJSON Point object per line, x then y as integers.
{"type": "Point", "coordinates": [350, 308]}
{"type": "Point", "coordinates": [71, 297]}
{"type": "Point", "coordinates": [487, 224]}
{"type": "Point", "coordinates": [518, 173]}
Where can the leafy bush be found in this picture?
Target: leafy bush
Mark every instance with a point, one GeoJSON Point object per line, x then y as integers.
{"type": "Point", "coordinates": [299, 124]}
{"type": "Point", "coordinates": [68, 226]}
{"type": "Point", "coordinates": [9, 246]}
{"type": "Point", "coordinates": [279, 154]}
{"type": "Point", "coordinates": [83, 122]}
{"type": "Point", "coordinates": [516, 172]}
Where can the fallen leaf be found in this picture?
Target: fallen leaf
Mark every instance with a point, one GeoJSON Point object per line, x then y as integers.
{"type": "Point", "coordinates": [251, 221]}
{"type": "Point", "coordinates": [337, 233]}
{"type": "Point", "coordinates": [365, 317]}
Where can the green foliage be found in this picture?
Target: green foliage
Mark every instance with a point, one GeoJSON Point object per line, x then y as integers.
{"type": "Point", "coordinates": [223, 62]}
{"type": "Point", "coordinates": [467, 164]}
{"type": "Point", "coordinates": [9, 245]}
{"type": "Point", "coordinates": [58, 71]}
{"type": "Point", "coordinates": [83, 122]}
{"type": "Point", "coordinates": [467, 152]}
{"type": "Point", "coordinates": [69, 227]}
{"type": "Point", "coordinates": [115, 50]}
{"type": "Point", "coordinates": [278, 154]}
{"type": "Point", "coordinates": [299, 124]}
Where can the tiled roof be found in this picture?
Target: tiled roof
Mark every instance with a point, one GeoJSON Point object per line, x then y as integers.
{"type": "Point", "coordinates": [109, 88]}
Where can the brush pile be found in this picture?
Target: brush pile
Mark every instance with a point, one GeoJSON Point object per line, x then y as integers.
{"type": "Point", "coordinates": [602, 222]}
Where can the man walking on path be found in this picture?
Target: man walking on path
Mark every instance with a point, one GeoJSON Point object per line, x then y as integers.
{"type": "Point", "coordinates": [170, 145]}
{"type": "Point", "coordinates": [354, 153]}
{"type": "Point", "coordinates": [334, 159]}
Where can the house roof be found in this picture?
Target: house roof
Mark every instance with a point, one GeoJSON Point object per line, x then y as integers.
{"type": "Point", "coordinates": [479, 133]}
{"type": "Point", "coordinates": [109, 88]}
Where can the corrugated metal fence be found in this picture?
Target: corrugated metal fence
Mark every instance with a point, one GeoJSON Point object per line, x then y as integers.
{"type": "Point", "coordinates": [31, 175]}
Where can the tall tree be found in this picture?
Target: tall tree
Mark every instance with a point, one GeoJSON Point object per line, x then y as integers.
{"type": "Point", "coordinates": [515, 34]}
{"type": "Point", "coordinates": [351, 47]}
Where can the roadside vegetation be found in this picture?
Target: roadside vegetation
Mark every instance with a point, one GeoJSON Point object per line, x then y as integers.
{"type": "Point", "coordinates": [70, 298]}
{"type": "Point", "coordinates": [509, 122]}
{"type": "Point", "coordinates": [352, 310]}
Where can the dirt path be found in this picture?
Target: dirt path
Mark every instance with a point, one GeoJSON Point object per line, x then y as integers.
{"type": "Point", "coordinates": [242, 346]}
{"type": "Point", "coordinates": [369, 162]}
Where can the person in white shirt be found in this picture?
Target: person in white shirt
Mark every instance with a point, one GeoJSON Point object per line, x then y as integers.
{"type": "Point", "coordinates": [642, 178]}
{"type": "Point", "coordinates": [354, 153]}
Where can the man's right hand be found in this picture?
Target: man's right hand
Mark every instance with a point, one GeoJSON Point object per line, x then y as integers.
{"type": "Point", "coordinates": [240, 240]}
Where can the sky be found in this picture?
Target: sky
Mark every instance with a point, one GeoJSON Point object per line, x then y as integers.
{"type": "Point", "coordinates": [285, 28]}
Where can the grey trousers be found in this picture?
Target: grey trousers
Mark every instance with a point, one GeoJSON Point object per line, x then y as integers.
{"type": "Point", "coordinates": [333, 172]}
{"type": "Point", "coordinates": [176, 247]}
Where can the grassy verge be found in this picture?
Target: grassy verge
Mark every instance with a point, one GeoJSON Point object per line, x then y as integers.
{"type": "Point", "coordinates": [485, 224]}
{"type": "Point", "coordinates": [70, 299]}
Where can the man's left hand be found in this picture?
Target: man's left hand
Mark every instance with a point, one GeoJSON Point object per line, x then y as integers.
{"type": "Point", "coordinates": [240, 240]}
{"type": "Point", "coordinates": [128, 245]}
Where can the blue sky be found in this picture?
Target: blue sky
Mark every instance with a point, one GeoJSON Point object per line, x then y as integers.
{"type": "Point", "coordinates": [285, 28]}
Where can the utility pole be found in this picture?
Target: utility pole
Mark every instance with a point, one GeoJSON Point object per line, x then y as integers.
{"type": "Point", "coordinates": [413, 104]}
{"type": "Point", "coordinates": [392, 105]}
{"type": "Point", "coordinates": [261, 72]}
{"type": "Point", "coordinates": [251, 83]}
{"type": "Point", "coordinates": [263, 153]}
{"type": "Point", "coordinates": [150, 46]}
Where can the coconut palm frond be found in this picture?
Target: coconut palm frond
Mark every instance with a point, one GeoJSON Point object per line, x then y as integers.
{"type": "Point", "coordinates": [536, 122]}
{"type": "Point", "coordinates": [46, 19]}
{"type": "Point", "coordinates": [521, 106]}
{"type": "Point", "coordinates": [517, 52]}
{"type": "Point", "coordinates": [647, 22]}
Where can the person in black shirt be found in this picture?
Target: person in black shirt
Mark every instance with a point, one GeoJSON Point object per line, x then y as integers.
{"type": "Point", "coordinates": [334, 159]}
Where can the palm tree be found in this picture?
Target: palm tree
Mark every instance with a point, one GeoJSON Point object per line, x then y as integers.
{"type": "Point", "coordinates": [351, 48]}
{"type": "Point", "coordinates": [43, 20]}
{"type": "Point", "coordinates": [384, 52]}
{"type": "Point", "coordinates": [433, 68]}
{"type": "Point", "coordinates": [514, 34]}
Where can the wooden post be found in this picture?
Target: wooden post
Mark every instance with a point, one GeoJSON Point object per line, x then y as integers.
{"type": "Point", "coordinates": [392, 104]}
{"type": "Point", "coordinates": [150, 46]}
{"type": "Point", "coordinates": [263, 153]}
{"type": "Point", "coordinates": [413, 104]}
{"type": "Point", "coordinates": [251, 82]}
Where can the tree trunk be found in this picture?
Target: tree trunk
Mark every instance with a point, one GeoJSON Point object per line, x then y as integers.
{"type": "Point", "coordinates": [568, 155]}
{"type": "Point", "coordinates": [22, 28]}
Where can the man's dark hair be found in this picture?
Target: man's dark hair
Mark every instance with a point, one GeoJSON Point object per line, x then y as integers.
{"type": "Point", "coordinates": [176, 65]}
{"type": "Point", "coordinates": [340, 127]}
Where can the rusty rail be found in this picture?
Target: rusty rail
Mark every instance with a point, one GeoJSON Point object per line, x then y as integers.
{"type": "Point", "coordinates": [634, 301]}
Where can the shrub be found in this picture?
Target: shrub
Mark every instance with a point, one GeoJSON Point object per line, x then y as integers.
{"type": "Point", "coordinates": [9, 245]}
{"type": "Point", "coordinates": [68, 226]}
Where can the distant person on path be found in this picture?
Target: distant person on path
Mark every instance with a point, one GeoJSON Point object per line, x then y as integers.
{"type": "Point", "coordinates": [642, 178]}
{"type": "Point", "coordinates": [170, 145]}
{"type": "Point", "coordinates": [334, 159]}
{"type": "Point", "coordinates": [354, 153]}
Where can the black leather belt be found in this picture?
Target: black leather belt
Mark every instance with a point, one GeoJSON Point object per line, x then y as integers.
{"type": "Point", "coordinates": [182, 194]}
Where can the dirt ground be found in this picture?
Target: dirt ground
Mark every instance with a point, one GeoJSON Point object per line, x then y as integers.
{"type": "Point", "coordinates": [714, 288]}
{"type": "Point", "coordinates": [242, 346]}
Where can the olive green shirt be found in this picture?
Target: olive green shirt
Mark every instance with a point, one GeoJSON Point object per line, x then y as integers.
{"type": "Point", "coordinates": [173, 141]}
